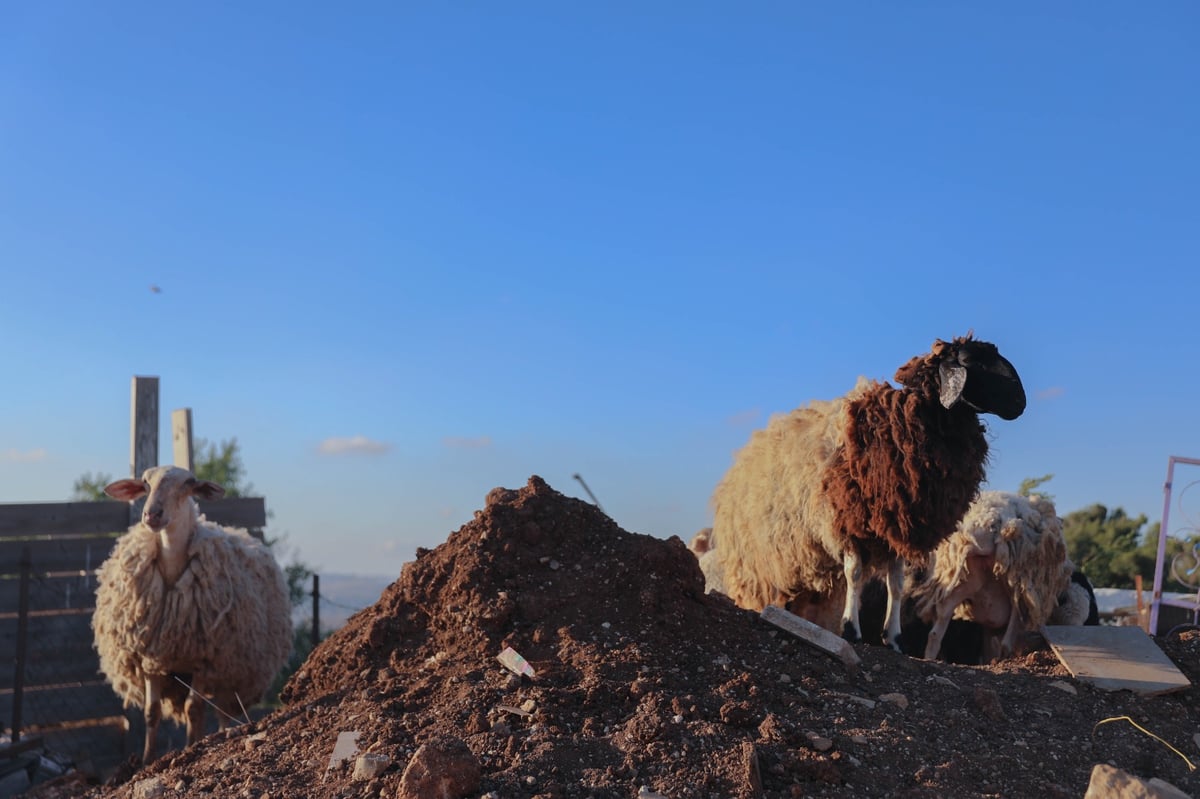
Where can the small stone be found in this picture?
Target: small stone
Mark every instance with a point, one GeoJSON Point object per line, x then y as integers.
{"type": "Point", "coordinates": [940, 680]}
{"type": "Point", "coordinates": [149, 788]}
{"type": "Point", "coordinates": [820, 743]}
{"type": "Point", "coordinates": [606, 625]}
{"type": "Point", "coordinates": [785, 678]}
{"type": "Point", "coordinates": [1108, 782]}
{"type": "Point", "coordinates": [899, 700]}
{"type": "Point", "coordinates": [180, 786]}
{"type": "Point", "coordinates": [646, 793]}
{"type": "Point", "coordinates": [370, 766]}
{"type": "Point", "coordinates": [988, 701]}
{"type": "Point", "coordinates": [1064, 686]}
{"type": "Point", "coordinates": [555, 565]}
{"type": "Point", "coordinates": [861, 740]}
{"type": "Point", "coordinates": [443, 766]}
{"type": "Point", "coordinates": [528, 705]}
{"type": "Point", "coordinates": [677, 718]}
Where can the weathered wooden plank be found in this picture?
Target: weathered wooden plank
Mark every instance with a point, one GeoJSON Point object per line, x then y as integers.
{"type": "Point", "coordinates": [65, 704]}
{"type": "Point", "coordinates": [811, 633]}
{"type": "Point", "coordinates": [57, 554]}
{"type": "Point", "coordinates": [46, 630]}
{"type": "Point", "coordinates": [29, 520]}
{"type": "Point", "coordinates": [74, 661]}
{"type": "Point", "coordinates": [181, 438]}
{"type": "Point", "coordinates": [73, 518]}
{"type": "Point", "coordinates": [1115, 658]}
{"type": "Point", "coordinates": [57, 592]}
{"type": "Point", "coordinates": [248, 512]}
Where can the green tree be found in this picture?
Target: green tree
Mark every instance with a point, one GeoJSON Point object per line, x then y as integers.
{"type": "Point", "coordinates": [1111, 548]}
{"type": "Point", "coordinates": [1030, 483]}
{"type": "Point", "coordinates": [222, 464]}
{"type": "Point", "coordinates": [90, 488]}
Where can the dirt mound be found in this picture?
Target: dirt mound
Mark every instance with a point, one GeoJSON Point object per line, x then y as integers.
{"type": "Point", "coordinates": [645, 686]}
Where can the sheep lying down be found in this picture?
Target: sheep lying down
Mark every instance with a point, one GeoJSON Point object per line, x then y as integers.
{"type": "Point", "coordinates": [187, 610]}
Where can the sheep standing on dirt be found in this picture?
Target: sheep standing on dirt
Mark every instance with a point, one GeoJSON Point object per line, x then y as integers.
{"type": "Point", "coordinates": [181, 599]}
{"type": "Point", "coordinates": [1005, 568]}
{"type": "Point", "coordinates": [834, 493]}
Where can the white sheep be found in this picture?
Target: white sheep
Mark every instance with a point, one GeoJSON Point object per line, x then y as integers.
{"type": "Point", "coordinates": [1004, 568]}
{"type": "Point", "coordinates": [181, 598]}
{"type": "Point", "coordinates": [836, 492]}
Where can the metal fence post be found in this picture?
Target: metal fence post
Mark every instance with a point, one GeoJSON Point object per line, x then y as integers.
{"type": "Point", "coordinates": [316, 595]}
{"type": "Point", "coordinates": [22, 640]}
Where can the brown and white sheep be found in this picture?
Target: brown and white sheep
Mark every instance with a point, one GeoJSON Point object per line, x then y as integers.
{"type": "Point", "coordinates": [182, 602]}
{"type": "Point", "coordinates": [1004, 568]}
{"type": "Point", "coordinates": [836, 492]}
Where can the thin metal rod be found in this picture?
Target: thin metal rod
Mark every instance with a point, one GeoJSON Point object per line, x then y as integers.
{"type": "Point", "coordinates": [595, 501]}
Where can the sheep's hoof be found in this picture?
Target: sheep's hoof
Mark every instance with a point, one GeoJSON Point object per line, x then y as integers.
{"type": "Point", "coordinates": [850, 632]}
{"type": "Point", "coordinates": [897, 644]}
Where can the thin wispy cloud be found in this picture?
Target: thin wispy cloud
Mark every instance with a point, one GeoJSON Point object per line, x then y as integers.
{"type": "Point", "coordinates": [460, 442]}
{"type": "Point", "coordinates": [29, 456]}
{"type": "Point", "coordinates": [1054, 392]}
{"type": "Point", "coordinates": [354, 445]}
{"type": "Point", "coordinates": [744, 418]}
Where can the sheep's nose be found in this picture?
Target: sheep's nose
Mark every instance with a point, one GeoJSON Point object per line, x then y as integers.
{"type": "Point", "coordinates": [153, 519]}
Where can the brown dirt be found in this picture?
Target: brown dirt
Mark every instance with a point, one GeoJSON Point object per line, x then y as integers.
{"type": "Point", "coordinates": [644, 681]}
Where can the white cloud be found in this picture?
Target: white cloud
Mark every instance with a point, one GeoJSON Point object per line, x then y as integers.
{"type": "Point", "coordinates": [355, 445]}
{"type": "Point", "coordinates": [30, 456]}
{"type": "Point", "coordinates": [458, 442]}
{"type": "Point", "coordinates": [1054, 392]}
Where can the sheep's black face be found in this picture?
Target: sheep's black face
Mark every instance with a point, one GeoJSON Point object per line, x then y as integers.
{"type": "Point", "coordinates": [992, 384]}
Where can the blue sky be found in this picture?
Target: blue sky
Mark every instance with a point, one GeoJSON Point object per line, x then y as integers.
{"type": "Point", "coordinates": [408, 253]}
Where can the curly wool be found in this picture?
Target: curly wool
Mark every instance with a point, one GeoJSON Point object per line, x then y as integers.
{"type": "Point", "coordinates": [884, 472]}
{"type": "Point", "coordinates": [1024, 538]}
{"type": "Point", "coordinates": [225, 623]}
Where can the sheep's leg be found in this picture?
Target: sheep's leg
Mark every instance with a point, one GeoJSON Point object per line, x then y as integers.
{"type": "Point", "coordinates": [193, 709]}
{"type": "Point", "coordinates": [153, 715]}
{"type": "Point", "coordinates": [943, 613]}
{"type": "Point", "coordinates": [851, 627]}
{"type": "Point", "coordinates": [895, 588]}
{"type": "Point", "coordinates": [1008, 643]}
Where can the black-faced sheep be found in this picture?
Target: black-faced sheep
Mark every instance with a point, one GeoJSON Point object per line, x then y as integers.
{"type": "Point", "coordinates": [180, 598]}
{"type": "Point", "coordinates": [1004, 568]}
{"type": "Point", "coordinates": [835, 492]}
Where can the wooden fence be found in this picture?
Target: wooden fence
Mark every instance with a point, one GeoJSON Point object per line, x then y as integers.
{"type": "Point", "coordinates": [49, 553]}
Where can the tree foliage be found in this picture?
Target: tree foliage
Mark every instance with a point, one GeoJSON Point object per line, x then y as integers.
{"type": "Point", "coordinates": [90, 488]}
{"type": "Point", "coordinates": [1111, 547]}
{"type": "Point", "coordinates": [1030, 483]}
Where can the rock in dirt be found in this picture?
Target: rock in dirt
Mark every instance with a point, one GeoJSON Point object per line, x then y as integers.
{"type": "Point", "coordinates": [370, 766]}
{"type": "Point", "coordinates": [443, 768]}
{"type": "Point", "coordinates": [1113, 783]}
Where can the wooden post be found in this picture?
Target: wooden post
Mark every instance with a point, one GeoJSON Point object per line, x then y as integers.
{"type": "Point", "coordinates": [181, 438]}
{"type": "Point", "coordinates": [316, 595]}
{"type": "Point", "coordinates": [143, 439]}
{"type": "Point", "coordinates": [22, 635]}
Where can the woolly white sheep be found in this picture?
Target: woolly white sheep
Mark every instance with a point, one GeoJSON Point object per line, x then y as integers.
{"type": "Point", "coordinates": [836, 492]}
{"type": "Point", "coordinates": [182, 599]}
{"type": "Point", "coordinates": [1004, 568]}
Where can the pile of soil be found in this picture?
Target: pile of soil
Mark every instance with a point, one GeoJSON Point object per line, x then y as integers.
{"type": "Point", "coordinates": [645, 686]}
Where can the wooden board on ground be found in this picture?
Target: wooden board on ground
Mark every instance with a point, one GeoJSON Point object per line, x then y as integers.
{"type": "Point", "coordinates": [811, 633]}
{"type": "Point", "coordinates": [1115, 659]}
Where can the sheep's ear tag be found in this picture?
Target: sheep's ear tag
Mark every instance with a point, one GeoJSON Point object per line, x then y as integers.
{"type": "Point", "coordinates": [953, 378]}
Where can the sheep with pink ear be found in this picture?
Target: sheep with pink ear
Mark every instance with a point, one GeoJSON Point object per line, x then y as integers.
{"type": "Point", "coordinates": [187, 610]}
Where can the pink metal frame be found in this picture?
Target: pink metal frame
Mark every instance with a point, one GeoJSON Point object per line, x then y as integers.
{"type": "Point", "coordinates": [1163, 532]}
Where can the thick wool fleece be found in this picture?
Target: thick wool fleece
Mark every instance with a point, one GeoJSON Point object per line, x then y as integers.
{"type": "Point", "coordinates": [1024, 538]}
{"type": "Point", "coordinates": [225, 623]}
